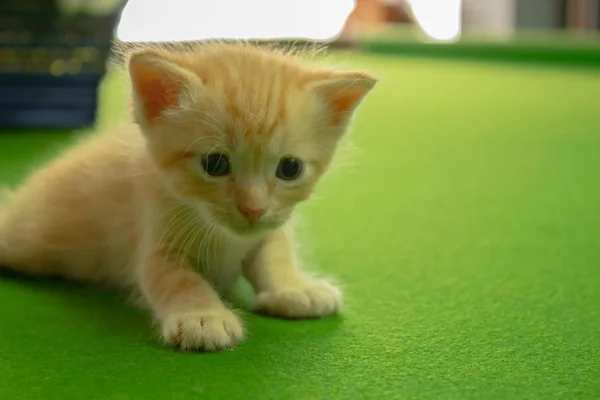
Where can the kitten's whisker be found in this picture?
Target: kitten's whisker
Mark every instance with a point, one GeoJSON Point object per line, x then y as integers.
{"type": "Point", "coordinates": [167, 227]}
{"type": "Point", "coordinates": [207, 238]}
{"type": "Point", "coordinates": [214, 230]}
{"type": "Point", "coordinates": [182, 228]}
{"type": "Point", "coordinates": [215, 145]}
{"type": "Point", "coordinates": [188, 242]}
{"type": "Point", "coordinates": [206, 113]}
{"type": "Point", "coordinates": [188, 119]}
{"type": "Point", "coordinates": [172, 208]}
{"type": "Point", "coordinates": [210, 236]}
{"type": "Point", "coordinates": [199, 230]}
{"type": "Point", "coordinates": [199, 254]}
{"type": "Point", "coordinates": [196, 141]}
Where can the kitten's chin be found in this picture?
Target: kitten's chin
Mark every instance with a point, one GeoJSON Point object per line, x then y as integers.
{"type": "Point", "coordinates": [245, 230]}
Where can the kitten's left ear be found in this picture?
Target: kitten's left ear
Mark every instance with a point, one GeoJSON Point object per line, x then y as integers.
{"type": "Point", "coordinates": [159, 84]}
{"type": "Point", "coordinates": [342, 93]}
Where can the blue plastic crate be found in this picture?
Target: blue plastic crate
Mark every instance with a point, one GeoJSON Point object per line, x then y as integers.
{"type": "Point", "coordinates": [51, 65]}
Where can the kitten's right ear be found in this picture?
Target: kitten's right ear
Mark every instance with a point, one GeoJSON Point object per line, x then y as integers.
{"type": "Point", "coordinates": [158, 84]}
{"type": "Point", "coordinates": [342, 93]}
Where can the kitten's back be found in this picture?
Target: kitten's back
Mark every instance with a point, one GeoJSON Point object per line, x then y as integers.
{"type": "Point", "coordinates": [62, 219]}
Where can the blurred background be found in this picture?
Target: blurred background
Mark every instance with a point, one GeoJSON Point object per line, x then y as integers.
{"type": "Point", "coordinates": [54, 52]}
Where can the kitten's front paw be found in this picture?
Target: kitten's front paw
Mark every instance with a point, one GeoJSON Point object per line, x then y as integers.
{"type": "Point", "coordinates": [203, 330]}
{"type": "Point", "coordinates": [315, 300]}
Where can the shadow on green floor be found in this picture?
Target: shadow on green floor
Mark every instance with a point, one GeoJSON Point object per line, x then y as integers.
{"type": "Point", "coordinates": [116, 312]}
{"type": "Point", "coordinates": [108, 308]}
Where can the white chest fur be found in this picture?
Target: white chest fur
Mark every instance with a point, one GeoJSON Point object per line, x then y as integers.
{"type": "Point", "coordinates": [220, 259]}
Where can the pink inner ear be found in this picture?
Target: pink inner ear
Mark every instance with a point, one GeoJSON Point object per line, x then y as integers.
{"type": "Point", "coordinates": [156, 90]}
{"type": "Point", "coordinates": [344, 102]}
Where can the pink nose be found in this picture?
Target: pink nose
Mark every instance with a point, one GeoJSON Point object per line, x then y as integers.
{"type": "Point", "coordinates": [251, 214]}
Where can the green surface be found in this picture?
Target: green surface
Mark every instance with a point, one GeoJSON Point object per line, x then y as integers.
{"type": "Point", "coordinates": [466, 233]}
{"type": "Point", "coordinates": [558, 48]}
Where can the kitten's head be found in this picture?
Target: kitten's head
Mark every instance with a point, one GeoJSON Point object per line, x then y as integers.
{"type": "Point", "coordinates": [243, 133]}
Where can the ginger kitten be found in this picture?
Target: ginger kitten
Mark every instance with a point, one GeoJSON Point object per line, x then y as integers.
{"type": "Point", "coordinates": [227, 139]}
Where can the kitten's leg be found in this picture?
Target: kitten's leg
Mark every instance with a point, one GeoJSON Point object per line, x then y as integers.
{"type": "Point", "coordinates": [282, 290]}
{"type": "Point", "coordinates": [191, 314]}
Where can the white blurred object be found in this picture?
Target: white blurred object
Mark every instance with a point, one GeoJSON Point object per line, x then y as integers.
{"type": "Point", "coordinates": [440, 20]}
{"type": "Point", "coordinates": [144, 20]}
{"type": "Point", "coordinates": [493, 17]}
{"type": "Point", "coordinates": [89, 7]}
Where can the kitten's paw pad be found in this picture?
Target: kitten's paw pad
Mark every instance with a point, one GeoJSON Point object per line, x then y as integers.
{"type": "Point", "coordinates": [316, 300]}
{"type": "Point", "coordinates": [203, 330]}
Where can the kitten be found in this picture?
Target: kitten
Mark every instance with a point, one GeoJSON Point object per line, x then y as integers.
{"type": "Point", "coordinates": [227, 139]}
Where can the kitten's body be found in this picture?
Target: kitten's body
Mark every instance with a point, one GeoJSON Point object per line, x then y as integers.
{"type": "Point", "coordinates": [51, 231]}
{"type": "Point", "coordinates": [133, 207]}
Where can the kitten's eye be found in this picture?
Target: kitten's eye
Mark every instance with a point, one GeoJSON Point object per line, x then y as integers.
{"type": "Point", "coordinates": [289, 169]}
{"type": "Point", "coordinates": [216, 164]}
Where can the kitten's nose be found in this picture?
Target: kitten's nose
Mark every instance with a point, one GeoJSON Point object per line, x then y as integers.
{"type": "Point", "coordinates": [251, 214]}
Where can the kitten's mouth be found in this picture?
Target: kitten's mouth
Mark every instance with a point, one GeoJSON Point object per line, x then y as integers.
{"type": "Point", "coordinates": [250, 229]}
{"type": "Point", "coordinates": [246, 229]}
{"type": "Point", "coordinates": [242, 228]}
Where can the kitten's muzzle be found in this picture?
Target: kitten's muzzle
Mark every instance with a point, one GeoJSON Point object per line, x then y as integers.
{"type": "Point", "coordinates": [251, 214]}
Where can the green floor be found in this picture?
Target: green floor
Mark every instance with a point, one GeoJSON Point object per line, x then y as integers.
{"type": "Point", "coordinates": [466, 232]}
